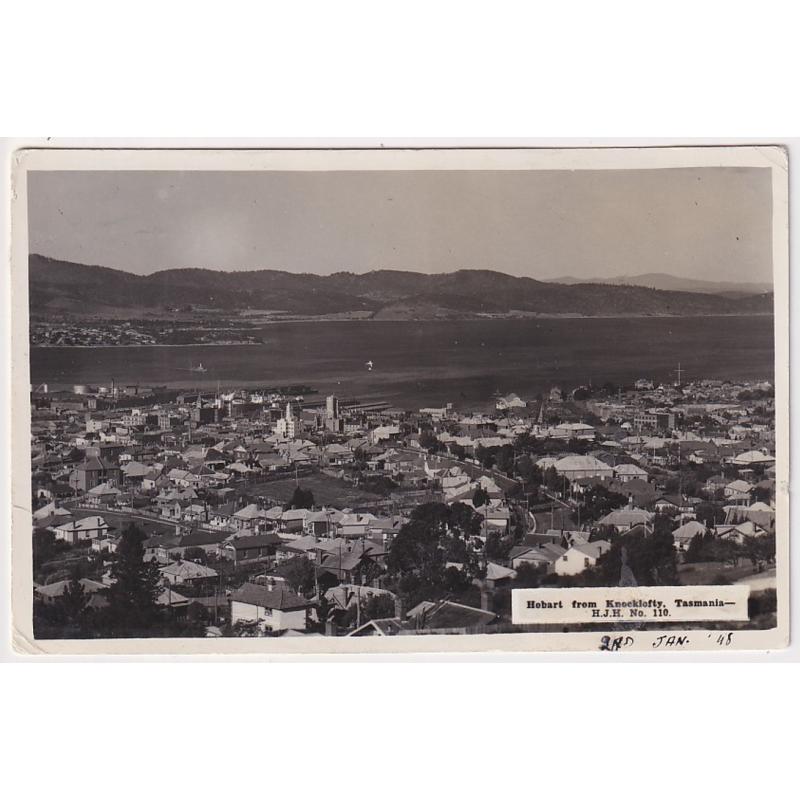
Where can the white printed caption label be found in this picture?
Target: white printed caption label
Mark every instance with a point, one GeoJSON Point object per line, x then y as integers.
{"type": "Point", "coordinates": [630, 604]}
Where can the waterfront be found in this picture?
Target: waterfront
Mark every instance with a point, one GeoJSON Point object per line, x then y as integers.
{"type": "Point", "coordinates": [419, 363]}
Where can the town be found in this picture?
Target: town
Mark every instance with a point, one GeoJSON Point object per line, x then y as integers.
{"type": "Point", "coordinates": [274, 512]}
{"type": "Point", "coordinates": [70, 332]}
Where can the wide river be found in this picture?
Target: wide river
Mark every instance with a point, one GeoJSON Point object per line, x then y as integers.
{"type": "Point", "coordinates": [430, 363]}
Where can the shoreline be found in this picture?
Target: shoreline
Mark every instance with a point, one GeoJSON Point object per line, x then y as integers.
{"type": "Point", "coordinates": [318, 320]}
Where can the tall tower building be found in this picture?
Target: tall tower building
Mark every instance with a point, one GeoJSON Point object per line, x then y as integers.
{"type": "Point", "coordinates": [332, 406]}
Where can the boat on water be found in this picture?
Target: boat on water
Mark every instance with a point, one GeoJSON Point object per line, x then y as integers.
{"type": "Point", "coordinates": [198, 368]}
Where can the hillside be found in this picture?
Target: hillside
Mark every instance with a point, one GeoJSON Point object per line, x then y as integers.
{"type": "Point", "coordinates": [78, 289]}
{"type": "Point", "coordinates": [672, 283]}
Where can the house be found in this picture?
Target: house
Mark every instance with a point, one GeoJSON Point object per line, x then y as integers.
{"type": "Point", "coordinates": [580, 557]}
{"type": "Point", "coordinates": [497, 575]}
{"type": "Point", "coordinates": [50, 592]}
{"type": "Point", "coordinates": [573, 430]}
{"type": "Point", "coordinates": [292, 521]}
{"type": "Point", "coordinates": [133, 472]}
{"type": "Point", "coordinates": [157, 548]}
{"type": "Point", "coordinates": [355, 525]}
{"type": "Point", "coordinates": [390, 626]}
{"type": "Point", "coordinates": [270, 608]}
{"type": "Point", "coordinates": [354, 565]}
{"type": "Point", "coordinates": [250, 549]}
{"type": "Point", "coordinates": [105, 544]}
{"type": "Point", "coordinates": [346, 596]}
{"type": "Point", "coordinates": [446, 615]}
{"type": "Point", "coordinates": [686, 532]}
{"type": "Point", "coordinates": [207, 541]}
{"type": "Point", "coordinates": [188, 572]}
{"type": "Point", "coordinates": [385, 529]}
{"type": "Point", "coordinates": [574, 466]}
{"type": "Point", "coordinates": [540, 555]}
{"type": "Point", "coordinates": [154, 481]}
{"type": "Point", "coordinates": [624, 519]}
{"type": "Point", "coordinates": [674, 504]}
{"type": "Point", "coordinates": [92, 472]}
{"type": "Point", "coordinates": [715, 483]}
{"type": "Point", "coordinates": [739, 533]}
{"type": "Point", "coordinates": [336, 455]}
{"type": "Point", "coordinates": [738, 490]}
{"type": "Point", "coordinates": [248, 519]}
{"type": "Point", "coordinates": [496, 519]}
{"type": "Point", "coordinates": [753, 458]}
{"type": "Point", "coordinates": [509, 401]}
{"type": "Point", "coordinates": [628, 472]}
{"type": "Point", "coordinates": [82, 529]}
{"type": "Point", "coordinates": [322, 523]}
{"type": "Point", "coordinates": [102, 495]}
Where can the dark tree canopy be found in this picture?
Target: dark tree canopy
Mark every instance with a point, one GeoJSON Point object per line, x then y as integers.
{"type": "Point", "coordinates": [301, 498]}
{"type": "Point", "coordinates": [650, 557]}
{"type": "Point", "coordinates": [132, 597]}
{"type": "Point", "coordinates": [435, 535]}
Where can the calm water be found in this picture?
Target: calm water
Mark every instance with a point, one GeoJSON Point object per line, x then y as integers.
{"type": "Point", "coordinates": [421, 363]}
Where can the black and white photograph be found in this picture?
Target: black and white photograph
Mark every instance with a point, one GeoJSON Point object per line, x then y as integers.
{"type": "Point", "coordinates": [325, 400]}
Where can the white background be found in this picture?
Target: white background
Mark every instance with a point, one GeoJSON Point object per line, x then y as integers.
{"type": "Point", "coordinates": [491, 73]}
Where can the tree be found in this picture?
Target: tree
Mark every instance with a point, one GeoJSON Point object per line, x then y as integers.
{"type": "Point", "coordinates": [299, 574]}
{"type": "Point", "coordinates": [480, 498]}
{"type": "Point", "coordinates": [457, 451]}
{"type": "Point", "coordinates": [301, 498]}
{"type": "Point", "coordinates": [696, 550]}
{"type": "Point", "coordinates": [505, 459]}
{"type": "Point", "coordinates": [377, 606]}
{"type": "Point", "coordinates": [196, 554]}
{"type": "Point", "coordinates": [485, 456]}
{"type": "Point", "coordinates": [529, 575]}
{"type": "Point", "coordinates": [74, 600]}
{"type": "Point", "coordinates": [650, 557]}
{"type": "Point", "coordinates": [552, 480]}
{"type": "Point", "coordinates": [434, 535]}
{"type": "Point", "coordinates": [599, 501]}
{"type": "Point", "coordinates": [497, 546]}
{"type": "Point", "coordinates": [132, 597]}
{"type": "Point", "coordinates": [710, 514]}
{"type": "Point", "coordinates": [429, 442]}
{"type": "Point", "coordinates": [528, 471]}
{"type": "Point", "coordinates": [46, 547]}
{"type": "Point", "coordinates": [762, 494]}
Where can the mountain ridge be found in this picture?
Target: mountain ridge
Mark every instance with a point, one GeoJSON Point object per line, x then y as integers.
{"type": "Point", "coordinates": [70, 287]}
{"type": "Point", "coordinates": [667, 282]}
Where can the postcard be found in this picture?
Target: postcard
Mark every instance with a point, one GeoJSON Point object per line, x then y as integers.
{"type": "Point", "coordinates": [390, 400]}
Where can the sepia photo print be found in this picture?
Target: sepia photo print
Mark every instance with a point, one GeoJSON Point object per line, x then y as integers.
{"type": "Point", "coordinates": [400, 400]}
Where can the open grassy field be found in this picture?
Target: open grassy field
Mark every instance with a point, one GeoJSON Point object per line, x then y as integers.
{"type": "Point", "coordinates": [326, 490]}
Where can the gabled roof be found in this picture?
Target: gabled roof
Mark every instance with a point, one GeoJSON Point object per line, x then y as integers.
{"type": "Point", "coordinates": [592, 549]}
{"type": "Point", "coordinates": [448, 614]}
{"type": "Point", "coordinates": [280, 599]}
{"type": "Point", "coordinates": [689, 530]}
{"type": "Point", "coordinates": [85, 524]}
{"type": "Point", "coordinates": [631, 516]}
{"type": "Point", "coordinates": [246, 542]}
{"type": "Point", "coordinates": [95, 464]}
{"type": "Point", "coordinates": [200, 538]}
{"type": "Point", "coordinates": [57, 589]}
{"type": "Point", "coordinates": [188, 570]}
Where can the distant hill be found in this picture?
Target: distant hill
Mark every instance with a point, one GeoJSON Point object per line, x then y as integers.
{"type": "Point", "coordinates": [85, 290]}
{"type": "Point", "coordinates": [672, 283]}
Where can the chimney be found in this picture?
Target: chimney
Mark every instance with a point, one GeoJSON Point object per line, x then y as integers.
{"type": "Point", "coordinates": [486, 598]}
{"type": "Point", "coordinates": [330, 628]}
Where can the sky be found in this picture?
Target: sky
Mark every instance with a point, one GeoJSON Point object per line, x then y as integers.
{"type": "Point", "coordinates": [710, 223]}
